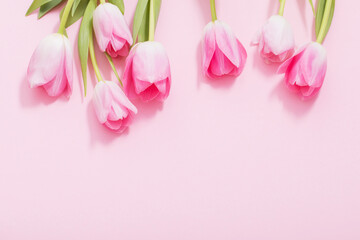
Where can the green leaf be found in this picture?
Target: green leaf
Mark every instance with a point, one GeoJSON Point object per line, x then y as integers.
{"type": "Point", "coordinates": [138, 17]}
{"type": "Point", "coordinates": [320, 14]}
{"type": "Point", "coordinates": [35, 5]}
{"type": "Point", "coordinates": [47, 7]}
{"type": "Point", "coordinates": [330, 17]}
{"type": "Point", "coordinates": [119, 4]}
{"type": "Point", "coordinates": [85, 33]}
{"type": "Point", "coordinates": [157, 6]}
{"type": "Point", "coordinates": [145, 25]}
{"type": "Point", "coordinates": [141, 29]}
{"type": "Point", "coordinates": [74, 7]}
{"type": "Point", "coordinates": [79, 12]}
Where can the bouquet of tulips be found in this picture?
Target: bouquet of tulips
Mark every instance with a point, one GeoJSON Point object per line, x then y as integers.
{"type": "Point", "coordinates": [147, 73]}
{"type": "Point", "coordinates": [305, 68]}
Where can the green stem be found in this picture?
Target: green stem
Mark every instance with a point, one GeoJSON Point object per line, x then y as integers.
{"type": "Point", "coordinates": [213, 10]}
{"type": "Point", "coordinates": [152, 21]}
{"type": "Point", "coordinates": [282, 7]}
{"type": "Point", "coordinates": [114, 68]}
{"type": "Point", "coordinates": [324, 22]}
{"type": "Point", "coordinates": [102, 1]}
{"type": "Point", "coordinates": [65, 16]}
{"type": "Point", "coordinates": [93, 59]}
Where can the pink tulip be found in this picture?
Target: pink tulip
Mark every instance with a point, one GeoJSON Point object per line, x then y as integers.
{"type": "Point", "coordinates": [112, 107]}
{"type": "Point", "coordinates": [51, 66]}
{"type": "Point", "coordinates": [305, 71]}
{"type": "Point", "coordinates": [112, 33]}
{"type": "Point", "coordinates": [275, 40]}
{"type": "Point", "coordinates": [147, 72]}
{"type": "Point", "coordinates": [223, 54]}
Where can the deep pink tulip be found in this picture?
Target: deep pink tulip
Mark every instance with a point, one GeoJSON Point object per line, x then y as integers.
{"type": "Point", "coordinates": [147, 72]}
{"type": "Point", "coordinates": [112, 107]}
{"type": "Point", "coordinates": [51, 66]}
{"type": "Point", "coordinates": [275, 40]}
{"type": "Point", "coordinates": [223, 54]}
{"type": "Point", "coordinates": [305, 71]}
{"type": "Point", "coordinates": [111, 31]}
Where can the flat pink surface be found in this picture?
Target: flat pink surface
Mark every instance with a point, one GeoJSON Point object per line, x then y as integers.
{"type": "Point", "coordinates": [230, 160]}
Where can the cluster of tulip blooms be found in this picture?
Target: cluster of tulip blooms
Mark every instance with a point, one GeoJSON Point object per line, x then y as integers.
{"type": "Point", "coordinates": [147, 73]}
{"type": "Point", "coordinates": [305, 69]}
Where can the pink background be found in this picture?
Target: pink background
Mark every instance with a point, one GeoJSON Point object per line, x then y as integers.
{"type": "Point", "coordinates": [243, 159]}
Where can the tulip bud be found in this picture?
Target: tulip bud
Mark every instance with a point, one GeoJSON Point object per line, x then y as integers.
{"type": "Point", "coordinates": [147, 72]}
{"type": "Point", "coordinates": [305, 71]}
{"type": "Point", "coordinates": [51, 66]}
{"type": "Point", "coordinates": [223, 54]}
{"type": "Point", "coordinates": [112, 107]}
{"type": "Point", "coordinates": [112, 33]}
{"type": "Point", "coordinates": [275, 40]}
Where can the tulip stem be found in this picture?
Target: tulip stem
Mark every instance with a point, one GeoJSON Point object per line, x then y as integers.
{"type": "Point", "coordinates": [282, 7]}
{"type": "Point", "coordinates": [213, 10]}
{"type": "Point", "coordinates": [102, 1]}
{"type": "Point", "coordinates": [93, 59]}
{"type": "Point", "coordinates": [65, 16]}
{"type": "Point", "coordinates": [152, 21]}
{"type": "Point", "coordinates": [324, 22]}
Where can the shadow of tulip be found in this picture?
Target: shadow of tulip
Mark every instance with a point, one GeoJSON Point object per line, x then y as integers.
{"type": "Point", "coordinates": [147, 110]}
{"type": "Point", "coordinates": [292, 101]}
{"type": "Point", "coordinates": [272, 8]}
{"type": "Point", "coordinates": [98, 132]}
{"type": "Point", "coordinates": [32, 97]}
{"type": "Point", "coordinates": [264, 68]}
{"type": "Point", "coordinates": [204, 5]}
{"type": "Point", "coordinates": [302, 7]}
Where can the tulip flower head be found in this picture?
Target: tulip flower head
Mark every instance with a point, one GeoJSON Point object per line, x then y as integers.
{"type": "Point", "coordinates": [306, 70]}
{"type": "Point", "coordinates": [147, 72]}
{"type": "Point", "coordinates": [112, 32]}
{"type": "Point", "coordinates": [51, 66]}
{"type": "Point", "coordinates": [113, 109]}
{"type": "Point", "coordinates": [223, 54]}
{"type": "Point", "coordinates": [275, 40]}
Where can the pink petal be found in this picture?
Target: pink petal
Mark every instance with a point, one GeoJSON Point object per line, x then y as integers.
{"type": "Point", "coordinates": [209, 46]}
{"type": "Point", "coordinates": [227, 42]}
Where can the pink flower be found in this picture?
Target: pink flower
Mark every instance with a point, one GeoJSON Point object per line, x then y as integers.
{"type": "Point", "coordinates": [275, 40]}
{"type": "Point", "coordinates": [223, 54]}
{"type": "Point", "coordinates": [147, 72]}
{"type": "Point", "coordinates": [51, 66]}
{"type": "Point", "coordinates": [305, 71]}
{"type": "Point", "coordinates": [111, 31]}
{"type": "Point", "coordinates": [112, 107]}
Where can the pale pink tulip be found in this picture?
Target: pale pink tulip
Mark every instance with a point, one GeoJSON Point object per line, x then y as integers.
{"type": "Point", "coordinates": [223, 54]}
{"type": "Point", "coordinates": [51, 66]}
{"type": "Point", "coordinates": [112, 33]}
{"type": "Point", "coordinates": [305, 71]}
{"type": "Point", "coordinates": [147, 72]}
{"type": "Point", "coordinates": [112, 107]}
{"type": "Point", "coordinates": [275, 40]}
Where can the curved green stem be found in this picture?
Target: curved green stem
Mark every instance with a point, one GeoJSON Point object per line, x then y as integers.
{"type": "Point", "coordinates": [65, 16]}
{"type": "Point", "coordinates": [324, 22]}
{"type": "Point", "coordinates": [93, 59]}
{"type": "Point", "coordinates": [213, 10]}
{"type": "Point", "coordinates": [282, 7]}
{"type": "Point", "coordinates": [114, 68]}
{"type": "Point", "coordinates": [152, 21]}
